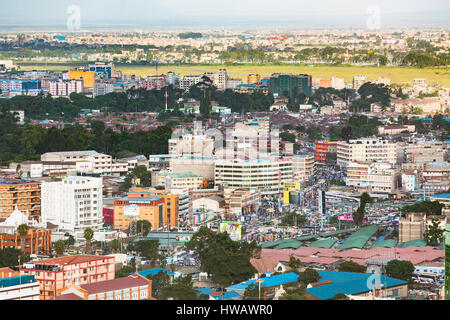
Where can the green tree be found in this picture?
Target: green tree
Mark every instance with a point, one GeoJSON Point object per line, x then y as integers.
{"type": "Point", "coordinates": [400, 269]}
{"type": "Point", "coordinates": [434, 235]}
{"type": "Point", "coordinates": [143, 227]}
{"type": "Point", "coordinates": [70, 241]}
{"type": "Point", "coordinates": [147, 249]}
{"type": "Point", "coordinates": [159, 282]}
{"type": "Point", "coordinates": [293, 219]}
{"type": "Point", "coordinates": [227, 261]}
{"type": "Point", "coordinates": [294, 263]}
{"type": "Point", "coordinates": [340, 296]}
{"type": "Point", "coordinates": [59, 247]}
{"type": "Point", "coordinates": [350, 266]}
{"type": "Point", "coordinates": [125, 271]}
{"type": "Point", "coordinates": [114, 245]}
{"type": "Point", "coordinates": [10, 257]}
{"type": "Point", "coordinates": [181, 289]}
{"type": "Point", "coordinates": [251, 292]}
{"type": "Point", "coordinates": [308, 276]}
{"type": "Point", "coordinates": [22, 230]}
{"type": "Point", "coordinates": [88, 235]}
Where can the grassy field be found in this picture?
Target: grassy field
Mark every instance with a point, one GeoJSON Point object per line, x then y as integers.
{"type": "Point", "coordinates": [400, 75]}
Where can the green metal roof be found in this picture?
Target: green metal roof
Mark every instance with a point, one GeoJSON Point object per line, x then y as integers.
{"type": "Point", "coordinates": [415, 243]}
{"type": "Point", "coordinates": [271, 244]}
{"type": "Point", "coordinates": [326, 243]}
{"type": "Point", "coordinates": [359, 238]}
{"type": "Point", "coordinates": [289, 244]}
{"type": "Point", "coordinates": [390, 243]}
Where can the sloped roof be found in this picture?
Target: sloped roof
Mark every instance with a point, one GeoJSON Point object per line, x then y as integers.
{"type": "Point", "coordinates": [348, 283]}
{"type": "Point", "coordinates": [267, 281]}
{"type": "Point", "coordinates": [145, 273]}
{"type": "Point", "coordinates": [390, 243]}
{"type": "Point", "coordinates": [415, 243]}
{"type": "Point", "coordinates": [323, 243]}
{"type": "Point", "coordinates": [359, 238]}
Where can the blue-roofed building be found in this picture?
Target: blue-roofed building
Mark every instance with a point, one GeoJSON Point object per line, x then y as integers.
{"type": "Point", "coordinates": [356, 284]}
{"type": "Point", "coordinates": [443, 198]}
{"type": "Point", "coordinates": [228, 295]}
{"type": "Point", "coordinates": [155, 271]}
{"type": "Point", "coordinates": [23, 287]}
{"type": "Point", "coordinates": [267, 282]}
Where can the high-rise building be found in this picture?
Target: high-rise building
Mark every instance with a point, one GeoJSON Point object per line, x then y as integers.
{"type": "Point", "coordinates": [366, 150]}
{"type": "Point", "coordinates": [173, 79]}
{"type": "Point", "coordinates": [291, 84]}
{"type": "Point", "coordinates": [63, 88]}
{"type": "Point", "coordinates": [323, 148]}
{"type": "Point", "coordinates": [358, 81]}
{"type": "Point", "coordinates": [88, 77]}
{"type": "Point", "coordinates": [268, 176]}
{"type": "Point", "coordinates": [74, 204]}
{"type": "Point", "coordinates": [24, 195]}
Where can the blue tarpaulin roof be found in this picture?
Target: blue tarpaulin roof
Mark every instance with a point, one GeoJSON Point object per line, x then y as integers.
{"type": "Point", "coordinates": [268, 281]}
{"type": "Point", "coordinates": [348, 283]}
{"type": "Point", "coordinates": [145, 273]}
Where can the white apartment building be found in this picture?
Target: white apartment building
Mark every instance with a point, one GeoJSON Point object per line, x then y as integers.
{"type": "Point", "coordinates": [366, 150]}
{"type": "Point", "coordinates": [358, 81]}
{"type": "Point", "coordinates": [100, 163]}
{"type": "Point", "coordinates": [303, 166]}
{"type": "Point", "coordinates": [337, 83]}
{"type": "Point", "coordinates": [63, 88]}
{"type": "Point", "coordinates": [103, 88]}
{"type": "Point", "coordinates": [19, 288]}
{"type": "Point", "coordinates": [74, 204]}
{"type": "Point", "coordinates": [192, 145]}
{"type": "Point", "coordinates": [219, 78]}
{"type": "Point", "coordinates": [373, 177]}
{"type": "Point", "coordinates": [189, 81]}
{"type": "Point", "coordinates": [268, 176]}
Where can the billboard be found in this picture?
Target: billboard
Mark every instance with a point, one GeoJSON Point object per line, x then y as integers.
{"type": "Point", "coordinates": [322, 203]}
{"type": "Point", "coordinates": [234, 229]}
{"type": "Point", "coordinates": [291, 194]}
{"type": "Point", "coordinates": [131, 211]}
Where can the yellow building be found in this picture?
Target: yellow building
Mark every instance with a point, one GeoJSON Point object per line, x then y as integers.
{"type": "Point", "coordinates": [253, 78]}
{"type": "Point", "coordinates": [87, 76]}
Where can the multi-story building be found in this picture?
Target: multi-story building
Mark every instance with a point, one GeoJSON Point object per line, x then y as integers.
{"type": "Point", "coordinates": [323, 148]}
{"type": "Point", "coordinates": [253, 78]}
{"type": "Point", "coordinates": [412, 227]}
{"type": "Point", "coordinates": [21, 86]}
{"type": "Point", "coordinates": [268, 176]}
{"type": "Point", "coordinates": [242, 201]}
{"type": "Point", "coordinates": [189, 81]}
{"type": "Point", "coordinates": [139, 206]}
{"type": "Point", "coordinates": [100, 163]}
{"type": "Point", "coordinates": [37, 241]}
{"type": "Point", "coordinates": [373, 177]}
{"type": "Point", "coordinates": [303, 166]}
{"type": "Point", "coordinates": [219, 78]}
{"type": "Point", "coordinates": [74, 204]}
{"type": "Point", "coordinates": [188, 180]}
{"type": "Point", "coordinates": [293, 85]}
{"type": "Point", "coordinates": [337, 83]}
{"type": "Point", "coordinates": [200, 166]}
{"type": "Point", "coordinates": [88, 77]}
{"type": "Point", "coordinates": [20, 193]}
{"type": "Point", "coordinates": [19, 288]}
{"type": "Point", "coordinates": [173, 79]}
{"type": "Point", "coordinates": [103, 69]}
{"type": "Point", "coordinates": [57, 273]}
{"type": "Point", "coordinates": [358, 81]}
{"type": "Point", "coordinates": [133, 287]}
{"type": "Point", "coordinates": [155, 82]}
{"type": "Point", "coordinates": [366, 150]}
{"type": "Point", "coordinates": [103, 88]}
{"type": "Point", "coordinates": [436, 171]}
{"type": "Point", "coordinates": [63, 88]}
{"type": "Point", "coordinates": [192, 145]}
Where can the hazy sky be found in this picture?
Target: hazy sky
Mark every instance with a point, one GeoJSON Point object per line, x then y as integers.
{"type": "Point", "coordinates": [135, 12]}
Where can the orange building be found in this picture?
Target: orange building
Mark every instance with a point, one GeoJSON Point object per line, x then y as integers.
{"type": "Point", "coordinates": [87, 76]}
{"type": "Point", "coordinates": [253, 78]}
{"type": "Point", "coordinates": [324, 147]}
{"type": "Point", "coordinates": [158, 207]}
{"type": "Point", "coordinates": [325, 83]}
{"type": "Point", "coordinates": [25, 194]}
{"type": "Point", "coordinates": [8, 273]}
{"type": "Point", "coordinates": [37, 241]}
{"type": "Point", "coordinates": [58, 273]}
{"type": "Point", "coordinates": [171, 203]}
{"type": "Point", "coordinates": [133, 287]}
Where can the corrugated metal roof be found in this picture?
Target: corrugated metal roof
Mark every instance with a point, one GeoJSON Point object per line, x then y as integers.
{"type": "Point", "coordinates": [267, 281]}
{"type": "Point", "coordinates": [359, 238]}
{"type": "Point", "coordinates": [145, 273]}
{"type": "Point", "coordinates": [390, 243]}
{"type": "Point", "coordinates": [348, 283]}
{"type": "Point", "coordinates": [323, 243]}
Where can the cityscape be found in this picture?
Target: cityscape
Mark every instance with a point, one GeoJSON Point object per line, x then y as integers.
{"type": "Point", "coordinates": [206, 155]}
